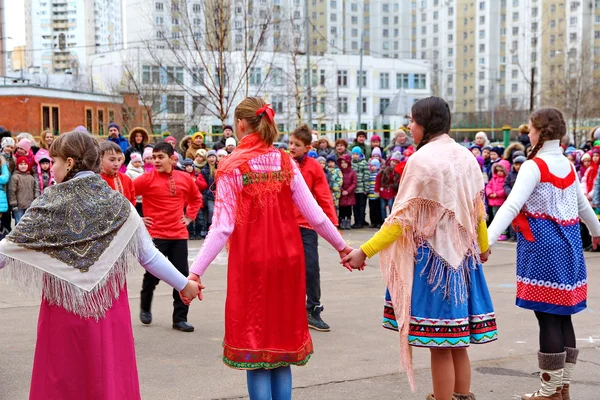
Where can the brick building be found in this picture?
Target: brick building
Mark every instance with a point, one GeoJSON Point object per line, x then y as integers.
{"type": "Point", "coordinates": [34, 109]}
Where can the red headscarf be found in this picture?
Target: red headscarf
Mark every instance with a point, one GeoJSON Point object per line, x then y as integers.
{"type": "Point", "coordinates": [592, 171]}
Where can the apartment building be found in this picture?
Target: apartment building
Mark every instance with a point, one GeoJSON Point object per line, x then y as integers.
{"type": "Point", "coordinates": [63, 36]}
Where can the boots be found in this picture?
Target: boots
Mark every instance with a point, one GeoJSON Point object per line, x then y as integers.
{"type": "Point", "coordinates": [430, 396]}
{"type": "Point", "coordinates": [469, 396]}
{"type": "Point", "coordinates": [552, 367]}
{"type": "Point", "coordinates": [347, 223]}
{"type": "Point", "coordinates": [569, 367]}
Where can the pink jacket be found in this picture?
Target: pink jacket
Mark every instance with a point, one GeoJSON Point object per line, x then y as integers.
{"type": "Point", "coordinates": [496, 185]}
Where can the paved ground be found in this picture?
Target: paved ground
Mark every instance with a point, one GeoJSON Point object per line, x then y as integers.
{"type": "Point", "coordinates": [356, 360]}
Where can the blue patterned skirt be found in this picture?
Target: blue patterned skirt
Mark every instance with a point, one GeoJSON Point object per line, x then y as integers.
{"type": "Point", "coordinates": [449, 309]}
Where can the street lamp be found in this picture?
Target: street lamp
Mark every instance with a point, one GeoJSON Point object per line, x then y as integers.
{"type": "Point", "coordinates": [92, 70]}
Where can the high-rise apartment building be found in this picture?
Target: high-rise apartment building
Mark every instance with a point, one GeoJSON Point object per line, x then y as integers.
{"type": "Point", "coordinates": [2, 41]}
{"type": "Point", "coordinates": [64, 35]}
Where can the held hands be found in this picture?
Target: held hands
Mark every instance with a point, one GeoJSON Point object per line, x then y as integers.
{"type": "Point", "coordinates": [354, 260]}
{"type": "Point", "coordinates": [484, 256]}
{"type": "Point", "coordinates": [192, 290]}
{"type": "Point", "coordinates": [347, 250]}
{"type": "Point", "coordinates": [596, 242]}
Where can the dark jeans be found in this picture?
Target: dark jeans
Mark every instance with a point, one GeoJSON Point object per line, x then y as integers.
{"type": "Point", "coordinates": [375, 212]}
{"type": "Point", "coordinates": [6, 221]}
{"type": "Point", "coordinates": [176, 251]}
{"type": "Point", "coordinates": [195, 228]}
{"type": "Point", "coordinates": [360, 208]}
{"type": "Point", "coordinates": [385, 204]}
{"type": "Point", "coordinates": [138, 208]}
{"type": "Point", "coordinates": [310, 242]}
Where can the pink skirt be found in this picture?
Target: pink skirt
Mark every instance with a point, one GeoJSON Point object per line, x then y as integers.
{"type": "Point", "coordinates": [77, 358]}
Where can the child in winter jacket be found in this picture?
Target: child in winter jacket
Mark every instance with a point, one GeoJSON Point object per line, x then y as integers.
{"type": "Point", "coordinates": [8, 149]}
{"type": "Point", "coordinates": [495, 189]}
{"type": "Point", "coordinates": [376, 144]}
{"type": "Point", "coordinates": [361, 167]}
{"type": "Point", "coordinates": [4, 178]}
{"type": "Point", "coordinates": [373, 196]}
{"type": "Point", "coordinates": [200, 160]}
{"type": "Point", "coordinates": [336, 181]}
{"type": "Point", "coordinates": [387, 184]}
{"type": "Point", "coordinates": [148, 160]}
{"type": "Point", "coordinates": [22, 189]}
{"type": "Point", "coordinates": [135, 169]}
{"type": "Point", "coordinates": [43, 175]}
{"type": "Point", "coordinates": [347, 199]}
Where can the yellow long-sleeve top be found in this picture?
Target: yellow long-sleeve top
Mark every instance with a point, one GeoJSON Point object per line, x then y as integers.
{"type": "Point", "coordinates": [387, 235]}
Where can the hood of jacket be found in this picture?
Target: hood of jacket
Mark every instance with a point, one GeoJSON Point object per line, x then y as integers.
{"type": "Point", "coordinates": [182, 144]}
{"type": "Point", "coordinates": [144, 133]}
{"type": "Point", "coordinates": [511, 149]}
{"type": "Point", "coordinates": [348, 159]}
{"type": "Point", "coordinates": [502, 165]}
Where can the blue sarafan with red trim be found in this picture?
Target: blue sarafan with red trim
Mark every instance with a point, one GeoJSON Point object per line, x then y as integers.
{"type": "Point", "coordinates": [551, 271]}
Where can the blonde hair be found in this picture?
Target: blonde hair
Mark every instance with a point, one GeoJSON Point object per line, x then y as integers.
{"type": "Point", "coordinates": [43, 143]}
{"type": "Point", "coordinates": [81, 147]}
{"type": "Point", "coordinates": [262, 124]}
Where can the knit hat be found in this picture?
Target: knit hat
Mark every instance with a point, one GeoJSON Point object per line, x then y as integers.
{"type": "Point", "coordinates": [24, 144]}
{"type": "Point", "coordinates": [473, 146]}
{"type": "Point", "coordinates": [516, 154]}
{"type": "Point", "coordinates": [113, 125]}
{"type": "Point", "coordinates": [397, 156]}
{"type": "Point", "coordinates": [586, 156]}
{"type": "Point", "coordinates": [376, 152]}
{"type": "Point", "coordinates": [147, 153]}
{"type": "Point", "coordinates": [331, 157]}
{"type": "Point", "coordinates": [202, 153]}
{"type": "Point", "coordinates": [498, 150]}
{"type": "Point", "coordinates": [221, 152]}
{"type": "Point", "coordinates": [8, 141]}
{"type": "Point", "coordinates": [227, 127]}
{"type": "Point", "coordinates": [188, 162]}
{"type": "Point", "coordinates": [569, 150]}
{"type": "Point", "coordinates": [375, 138]}
{"type": "Point", "coordinates": [171, 139]}
{"type": "Point", "coordinates": [375, 162]}
{"type": "Point", "coordinates": [23, 159]}
{"type": "Point", "coordinates": [211, 153]}
{"type": "Point", "coordinates": [230, 142]}
{"type": "Point", "coordinates": [488, 147]}
{"type": "Point", "coordinates": [46, 159]}
{"type": "Point", "coordinates": [82, 128]}
{"type": "Point", "coordinates": [356, 150]}
{"type": "Point", "coordinates": [195, 135]}
{"type": "Point", "coordinates": [312, 154]}
{"type": "Point", "coordinates": [319, 159]}
{"type": "Point", "coordinates": [361, 133]}
{"type": "Point", "coordinates": [136, 157]}
{"type": "Point", "coordinates": [519, 160]}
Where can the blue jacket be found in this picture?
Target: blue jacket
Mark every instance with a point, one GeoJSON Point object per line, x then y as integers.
{"type": "Point", "coordinates": [4, 178]}
{"type": "Point", "coordinates": [121, 141]}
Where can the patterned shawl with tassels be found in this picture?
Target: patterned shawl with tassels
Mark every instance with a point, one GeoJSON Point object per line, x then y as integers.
{"type": "Point", "coordinates": [439, 203]}
{"type": "Point", "coordinates": [76, 243]}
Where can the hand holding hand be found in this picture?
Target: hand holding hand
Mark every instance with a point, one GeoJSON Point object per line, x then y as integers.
{"type": "Point", "coordinates": [356, 260]}
{"type": "Point", "coordinates": [196, 278]}
{"type": "Point", "coordinates": [192, 290]}
{"type": "Point", "coordinates": [596, 242]}
{"type": "Point", "coordinates": [484, 256]}
{"type": "Point", "coordinates": [347, 250]}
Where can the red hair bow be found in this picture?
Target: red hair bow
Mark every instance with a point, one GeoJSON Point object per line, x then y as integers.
{"type": "Point", "coordinates": [266, 109]}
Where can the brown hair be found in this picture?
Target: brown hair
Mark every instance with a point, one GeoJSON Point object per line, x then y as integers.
{"type": "Point", "coordinates": [304, 133]}
{"type": "Point", "coordinates": [261, 124]}
{"type": "Point", "coordinates": [551, 124]}
{"type": "Point", "coordinates": [433, 114]}
{"type": "Point", "coordinates": [108, 146]}
{"type": "Point", "coordinates": [341, 141]}
{"type": "Point", "coordinates": [524, 129]}
{"type": "Point", "coordinates": [81, 147]}
{"type": "Point", "coordinates": [43, 143]}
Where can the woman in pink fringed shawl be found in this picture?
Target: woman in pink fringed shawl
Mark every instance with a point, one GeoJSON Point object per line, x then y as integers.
{"type": "Point", "coordinates": [432, 246]}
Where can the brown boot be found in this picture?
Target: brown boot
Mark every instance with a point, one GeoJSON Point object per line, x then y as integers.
{"type": "Point", "coordinates": [469, 396]}
{"type": "Point", "coordinates": [551, 375]}
{"type": "Point", "coordinates": [570, 362]}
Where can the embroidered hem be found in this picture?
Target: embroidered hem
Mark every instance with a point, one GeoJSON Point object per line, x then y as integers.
{"type": "Point", "coordinates": [266, 358]}
{"type": "Point", "coordinates": [452, 333]}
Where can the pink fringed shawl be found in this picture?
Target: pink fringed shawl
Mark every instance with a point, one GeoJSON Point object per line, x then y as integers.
{"type": "Point", "coordinates": [439, 202]}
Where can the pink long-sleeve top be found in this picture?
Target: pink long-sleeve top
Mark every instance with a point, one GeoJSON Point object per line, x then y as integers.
{"type": "Point", "coordinates": [224, 215]}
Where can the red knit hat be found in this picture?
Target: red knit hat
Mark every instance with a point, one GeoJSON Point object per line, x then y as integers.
{"type": "Point", "coordinates": [25, 160]}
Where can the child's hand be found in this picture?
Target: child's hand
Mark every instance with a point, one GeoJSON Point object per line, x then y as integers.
{"type": "Point", "coordinates": [345, 193]}
{"type": "Point", "coordinates": [492, 196]}
{"type": "Point", "coordinates": [192, 290]}
{"type": "Point", "coordinates": [596, 242]}
{"type": "Point", "coordinates": [484, 256]}
{"type": "Point", "coordinates": [355, 260]}
{"type": "Point", "coordinates": [347, 250]}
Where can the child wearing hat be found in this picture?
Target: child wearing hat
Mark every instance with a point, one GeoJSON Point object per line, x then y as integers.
{"type": "Point", "coordinates": [22, 189]}
{"type": "Point", "coordinates": [230, 145]}
{"type": "Point", "coordinates": [361, 138]}
{"type": "Point", "coordinates": [387, 184]}
{"type": "Point", "coordinates": [196, 144]}
{"type": "Point", "coordinates": [336, 181]}
{"type": "Point", "coordinates": [221, 154]}
{"type": "Point", "coordinates": [148, 161]}
{"type": "Point", "coordinates": [8, 149]}
{"type": "Point", "coordinates": [200, 160]}
{"type": "Point", "coordinates": [373, 196]}
{"type": "Point", "coordinates": [208, 172]}
{"type": "Point", "coordinates": [376, 145]}
{"type": "Point", "coordinates": [135, 169]}
{"type": "Point", "coordinates": [24, 150]}
{"type": "Point", "coordinates": [360, 166]}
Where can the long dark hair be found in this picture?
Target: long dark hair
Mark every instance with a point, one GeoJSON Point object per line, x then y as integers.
{"type": "Point", "coordinates": [551, 124]}
{"type": "Point", "coordinates": [433, 114]}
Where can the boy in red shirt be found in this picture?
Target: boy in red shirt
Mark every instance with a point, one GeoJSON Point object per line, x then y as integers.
{"type": "Point", "coordinates": [312, 172]}
{"type": "Point", "coordinates": [111, 160]}
{"type": "Point", "coordinates": [171, 201]}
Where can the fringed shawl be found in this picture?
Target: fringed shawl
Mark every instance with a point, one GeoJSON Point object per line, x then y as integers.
{"type": "Point", "coordinates": [76, 243]}
{"type": "Point", "coordinates": [439, 203]}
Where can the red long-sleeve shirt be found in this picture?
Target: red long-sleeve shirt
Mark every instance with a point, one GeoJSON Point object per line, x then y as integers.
{"type": "Point", "coordinates": [315, 179]}
{"type": "Point", "coordinates": [164, 198]}
{"type": "Point", "coordinates": [126, 182]}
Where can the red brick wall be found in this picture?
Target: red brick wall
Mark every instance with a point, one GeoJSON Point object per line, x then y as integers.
{"type": "Point", "coordinates": [24, 113]}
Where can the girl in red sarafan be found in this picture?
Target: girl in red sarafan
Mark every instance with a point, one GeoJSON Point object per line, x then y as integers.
{"type": "Point", "coordinates": [266, 327]}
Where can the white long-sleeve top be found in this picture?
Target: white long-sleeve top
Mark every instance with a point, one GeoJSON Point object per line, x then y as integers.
{"type": "Point", "coordinates": [527, 180]}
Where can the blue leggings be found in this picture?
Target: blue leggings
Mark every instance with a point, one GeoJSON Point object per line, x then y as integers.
{"type": "Point", "coordinates": [270, 384]}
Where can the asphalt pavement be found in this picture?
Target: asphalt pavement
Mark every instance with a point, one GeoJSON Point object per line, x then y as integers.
{"type": "Point", "coordinates": [356, 360]}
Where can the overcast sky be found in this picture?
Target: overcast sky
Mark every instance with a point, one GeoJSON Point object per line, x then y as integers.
{"type": "Point", "coordinates": [14, 17]}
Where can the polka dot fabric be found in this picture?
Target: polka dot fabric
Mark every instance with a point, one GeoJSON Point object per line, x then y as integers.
{"type": "Point", "coordinates": [551, 271]}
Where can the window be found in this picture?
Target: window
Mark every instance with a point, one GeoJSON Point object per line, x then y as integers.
{"type": "Point", "coordinates": [322, 77]}
{"type": "Point", "coordinates": [420, 81]}
{"type": "Point", "coordinates": [159, 20]}
{"type": "Point", "coordinates": [450, 38]}
{"type": "Point", "coordinates": [159, 7]}
{"type": "Point", "coordinates": [196, 8]}
{"type": "Point", "coordinates": [361, 78]}
{"type": "Point", "coordinates": [482, 5]}
{"type": "Point", "coordinates": [89, 120]}
{"type": "Point", "coordinates": [386, 20]}
{"type": "Point", "coordinates": [384, 80]}
{"type": "Point", "coordinates": [515, 17]}
{"type": "Point", "coordinates": [514, 73]}
{"type": "Point", "coordinates": [333, 18]}
{"type": "Point", "coordinates": [277, 103]}
{"type": "Point", "coordinates": [111, 116]}
{"type": "Point", "coordinates": [481, 75]}
{"type": "Point", "coordinates": [435, 15]}
{"type": "Point", "coordinates": [342, 105]}
{"type": "Point", "coordinates": [481, 89]}
{"type": "Point", "coordinates": [170, 75]}
{"type": "Point", "coordinates": [277, 77]}
{"type": "Point", "coordinates": [450, 11]}
{"type": "Point", "coordinates": [401, 81]}
{"type": "Point", "coordinates": [515, 3]}
{"type": "Point", "coordinates": [255, 76]}
{"type": "Point", "coordinates": [450, 24]}
{"type": "Point", "coordinates": [100, 122]}
{"type": "Point", "coordinates": [197, 76]}
{"type": "Point", "coordinates": [450, 51]}
{"type": "Point", "coordinates": [354, 32]}
{"type": "Point", "coordinates": [574, 5]}
{"type": "Point", "coordinates": [383, 105]}
{"type": "Point", "coordinates": [342, 78]}
{"type": "Point", "coordinates": [199, 105]}
{"type": "Point", "coordinates": [514, 87]}
{"type": "Point", "coordinates": [175, 104]}
{"type": "Point", "coordinates": [481, 34]}
{"type": "Point", "coordinates": [482, 48]}
{"type": "Point", "coordinates": [354, 20]}
{"type": "Point", "coordinates": [146, 74]}
{"type": "Point", "coordinates": [51, 119]}
{"type": "Point", "coordinates": [179, 74]}
{"type": "Point", "coordinates": [573, 21]}
{"type": "Point", "coordinates": [361, 106]}
{"type": "Point", "coordinates": [515, 30]}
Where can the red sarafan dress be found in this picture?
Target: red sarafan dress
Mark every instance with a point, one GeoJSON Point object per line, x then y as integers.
{"type": "Point", "coordinates": [265, 315]}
